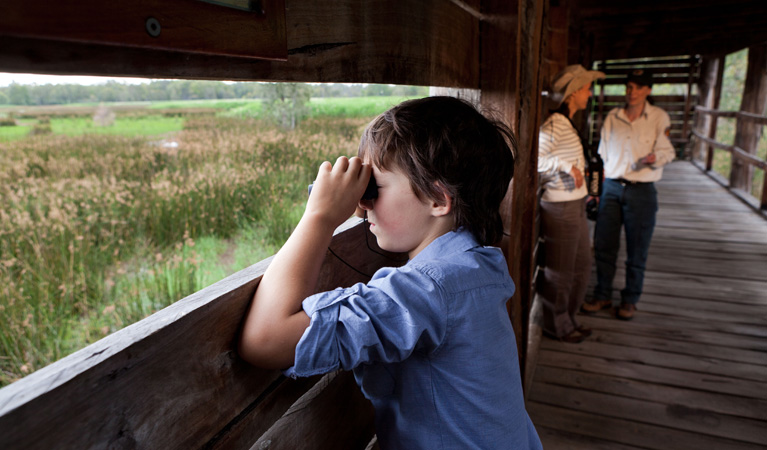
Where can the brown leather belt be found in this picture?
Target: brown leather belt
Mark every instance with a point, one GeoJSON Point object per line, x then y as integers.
{"type": "Point", "coordinates": [625, 182]}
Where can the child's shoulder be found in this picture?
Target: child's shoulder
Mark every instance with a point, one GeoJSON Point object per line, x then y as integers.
{"type": "Point", "coordinates": [458, 262]}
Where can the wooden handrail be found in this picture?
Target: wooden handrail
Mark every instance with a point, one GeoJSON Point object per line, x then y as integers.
{"type": "Point", "coordinates": [762, 120]}
{"type": "Point", "coordinates": [737, 152]}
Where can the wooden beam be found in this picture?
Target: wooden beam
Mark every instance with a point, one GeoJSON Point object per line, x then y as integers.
{"type": "Point", "coordinates": [499, 81]}
{"type": "Point", "coordinates": [525, 185]}
{"type": "Point", "coordinates": [658, 28]}
{"type": "Point", "coordinates": [712, 126]}
{"type": "Point", "coordinates": [430, 42]}
{"type": "Point", "coordinates": [173, 25]}
{"type": "Point", "coordinates": [748, 133]}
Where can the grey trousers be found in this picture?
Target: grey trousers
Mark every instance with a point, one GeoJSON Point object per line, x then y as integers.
{"type": "Point", "coordinates": [562, 288]}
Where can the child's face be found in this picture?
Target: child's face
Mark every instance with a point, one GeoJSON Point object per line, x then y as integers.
{"type": "Point", "coordinates": [400, 221]}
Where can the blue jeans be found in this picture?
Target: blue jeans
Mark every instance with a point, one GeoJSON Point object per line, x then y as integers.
{"type": "Point", "coordinates": [632, 206]}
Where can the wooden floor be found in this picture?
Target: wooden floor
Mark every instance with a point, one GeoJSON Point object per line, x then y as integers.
{"type": "Point", "coordinates": [690, 371]}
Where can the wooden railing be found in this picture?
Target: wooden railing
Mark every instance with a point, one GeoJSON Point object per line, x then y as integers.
{"type": "Point", "coordinates": [174, 380]}
{"type": "Point", "coordinates": [743, 155]}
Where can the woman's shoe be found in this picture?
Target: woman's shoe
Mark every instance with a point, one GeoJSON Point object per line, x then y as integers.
{"type": "Point", "coordinates": [584, 331]}
{"type": "Point", "coordinates": [573, 337]}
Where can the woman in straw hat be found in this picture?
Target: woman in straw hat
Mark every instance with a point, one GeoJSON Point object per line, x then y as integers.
{"type": "Point", "coordinates": [561, 164]}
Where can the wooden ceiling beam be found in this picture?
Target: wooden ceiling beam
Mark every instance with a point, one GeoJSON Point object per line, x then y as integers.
{"type": "Point", "coordinates": [430, 42]}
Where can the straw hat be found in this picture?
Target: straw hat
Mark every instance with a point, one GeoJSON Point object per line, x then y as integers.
{"type": "Point", "coordinates": [570, 80]}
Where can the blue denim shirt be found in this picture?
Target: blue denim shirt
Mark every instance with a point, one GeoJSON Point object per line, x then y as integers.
{"type": "Point", "coordinates": [431, 346]}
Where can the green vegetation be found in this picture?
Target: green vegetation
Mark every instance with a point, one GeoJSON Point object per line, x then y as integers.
{"type": "Point", "coordinates": [734, 79]}
{"type": "Point", "coordinates": [181, 90]}
{"type": "Point", "coordinates": [100, 229]}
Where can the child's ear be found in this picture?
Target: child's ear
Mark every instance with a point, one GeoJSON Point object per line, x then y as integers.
{"type": "Point", "coordinates": [444, 206]}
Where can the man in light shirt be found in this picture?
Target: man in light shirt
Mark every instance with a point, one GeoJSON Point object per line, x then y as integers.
{"type": "Point", "coordinates": [634, 146]}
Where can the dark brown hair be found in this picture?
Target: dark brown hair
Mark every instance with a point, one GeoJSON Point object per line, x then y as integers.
{"type": "Point", "coordinates": [444, 145]}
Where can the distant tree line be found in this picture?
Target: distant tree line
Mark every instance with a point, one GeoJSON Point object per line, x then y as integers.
{"type": "Point", "coordinates": [163, 90]}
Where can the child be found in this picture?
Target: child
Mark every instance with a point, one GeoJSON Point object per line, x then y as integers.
{"type": "Point", "coordinates": [430, 343]}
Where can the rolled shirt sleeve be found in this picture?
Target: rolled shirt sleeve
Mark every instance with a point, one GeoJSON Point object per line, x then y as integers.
{"type": "Point", "coordinates": [383, 321]}
{"type": "Point", "coordinates": [664, 151]}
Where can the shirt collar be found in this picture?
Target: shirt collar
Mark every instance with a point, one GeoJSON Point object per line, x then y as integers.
{"type": "Point", "coordinates": [449, 243]}
{"type": "Point", "coordinates": [645, 111]}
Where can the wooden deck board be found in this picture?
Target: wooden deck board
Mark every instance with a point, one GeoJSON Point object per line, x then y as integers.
{"type": "Point", "coordinates": [690, 371]}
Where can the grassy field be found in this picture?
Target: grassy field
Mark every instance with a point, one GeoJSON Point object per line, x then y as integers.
{"type": "Point", "coordinates": [102, 226]}
{"type": "Point", "coordinates": [725, 133]}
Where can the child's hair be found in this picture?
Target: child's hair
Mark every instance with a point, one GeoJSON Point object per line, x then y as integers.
{"type": "Point", "coordinates": [444, 144]}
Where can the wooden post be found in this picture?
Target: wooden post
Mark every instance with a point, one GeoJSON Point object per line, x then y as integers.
{"type": "Point", "coordinates": [510, 80]}
{"type": "Point", "coordinates": [706, 86]}
{"type": "Point", "coordinates": [763, 205]}
{"type": "Point", "coordinates": [748, 133]}
{"type": "Point", "coordinates": [499, 81]}
{"type": "Point", "coordinates": [687, 103]}
{"type": "Point", "coordinates": [712, 126]}
{"type": "Point", "coordinates": [525, 183]}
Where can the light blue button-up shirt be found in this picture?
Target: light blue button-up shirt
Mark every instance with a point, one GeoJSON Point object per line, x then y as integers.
{"type": "Point", "coordinates": [431, 346]}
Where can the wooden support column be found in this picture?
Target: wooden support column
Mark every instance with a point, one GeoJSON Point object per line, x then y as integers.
{"type": "Point", "coordinates": [525, 183]}
{"type": "Point", "coordinates": [748, 133]}
{"type": "Point", "coordinates": [709, 76]}
{"type": "Point", "coordinates": [499, 79]}
{"type": "Point", "coordinates": [510, 81]}
{"type": "Point", "coordinates": [712, 125]}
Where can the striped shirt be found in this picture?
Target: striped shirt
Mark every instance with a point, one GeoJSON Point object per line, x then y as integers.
{"type": "Point", "coordinates": [559, 150]}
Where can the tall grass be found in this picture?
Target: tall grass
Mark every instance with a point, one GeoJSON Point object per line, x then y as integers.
{"type": "Point", "coordinates": [98, 231]}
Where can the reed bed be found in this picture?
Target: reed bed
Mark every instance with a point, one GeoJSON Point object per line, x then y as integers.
{"type": "Point", "coordinates": [98, 231]}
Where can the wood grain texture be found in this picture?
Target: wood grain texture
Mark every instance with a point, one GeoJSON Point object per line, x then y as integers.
{"type": "Point", "coordinates": [172, 380]}
{"type": "Point", "coordinates": [333, 414]}
{"type": "Point", "coordinates": [175, 25]}
{"type": "Point", "coordinates": [432, 43]}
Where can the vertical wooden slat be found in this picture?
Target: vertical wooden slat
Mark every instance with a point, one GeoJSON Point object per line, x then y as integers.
{"type": "Point", "coordinates": [688, 99]}
{"type": "Point", "coordinates": [499, 79]}
{"type": "Point", "coordinates": [706, 86]}
{"type": "Point", "coordinates": [748, 133]}
{"type": "Point", "coordinates": [712, 127]}
{"type": "Point", "coordinates": [525, 184]}
{"type": "Point", "coordinates": [514, 89]}
{"type": "Point", "coordinates": [763, 203]}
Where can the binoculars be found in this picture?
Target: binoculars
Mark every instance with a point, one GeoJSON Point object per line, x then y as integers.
{"type": "Point", "coordinates": [371, 192]}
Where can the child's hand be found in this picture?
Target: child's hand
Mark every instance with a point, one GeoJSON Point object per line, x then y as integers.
{"type": "Point", "coordinates": [337, 190]}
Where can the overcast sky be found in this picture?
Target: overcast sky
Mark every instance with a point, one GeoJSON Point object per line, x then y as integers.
{"type": "Point", "coordinates": [24, 78]}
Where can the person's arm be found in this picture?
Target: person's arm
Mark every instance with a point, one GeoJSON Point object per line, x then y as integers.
{"type": "Point", "coordinates": [548, 139]}
{"type": "Point", "coordinates": [663, 151]}
{"type": "Point", "coordinates": [275, 320]}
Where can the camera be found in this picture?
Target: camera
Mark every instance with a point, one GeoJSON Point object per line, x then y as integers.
{"type": "Point", "coordinates": [371, 192]}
